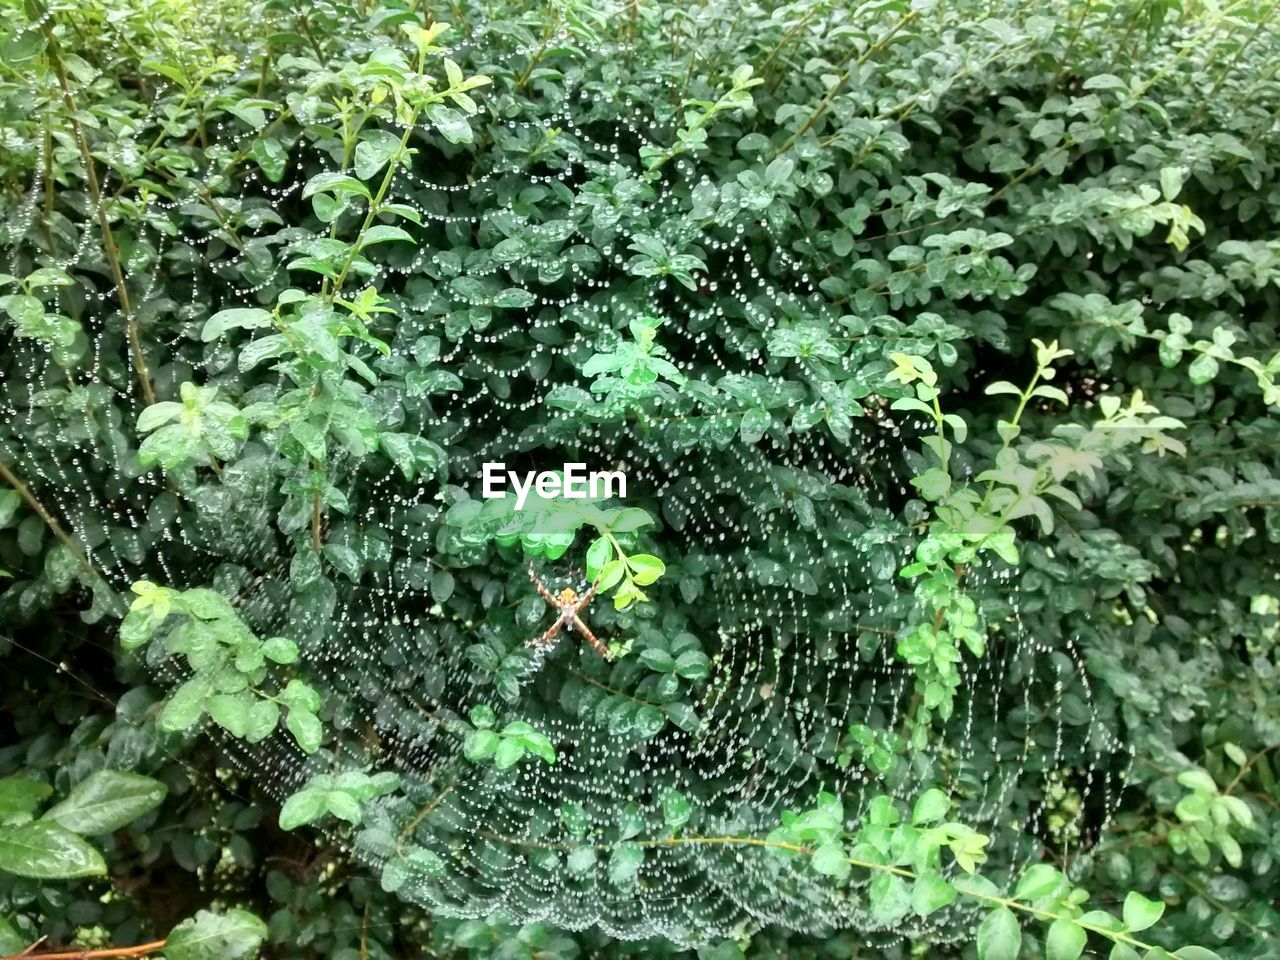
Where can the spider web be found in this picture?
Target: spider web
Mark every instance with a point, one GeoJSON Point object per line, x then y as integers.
{"type": "Point", "coordinates": [792, 548]}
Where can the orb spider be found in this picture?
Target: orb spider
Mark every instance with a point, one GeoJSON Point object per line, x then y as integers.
{"type": "Point", "coordinates": [568, 605]}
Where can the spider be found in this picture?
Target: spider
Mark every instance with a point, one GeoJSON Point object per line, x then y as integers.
{"type": "Point", "coordinates": [568, 605]}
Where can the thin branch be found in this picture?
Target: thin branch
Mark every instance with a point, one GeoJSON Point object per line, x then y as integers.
{"type": "Point", "coordinates": [108, 237]}
{"type": "Point", "coordinates": [50, 521]}
{"type": "Point", "coordinates": [140, 950]}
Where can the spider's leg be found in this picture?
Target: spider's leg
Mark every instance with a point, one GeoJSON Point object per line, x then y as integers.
{"type": "Point", "coordinates": [546, 594]}
{"type": "Point", "coordinates": [544, 642]}
{"type": "Point", "coordinates": [586, 597]}
{"type": "Point", "coordinates": [590, 637]}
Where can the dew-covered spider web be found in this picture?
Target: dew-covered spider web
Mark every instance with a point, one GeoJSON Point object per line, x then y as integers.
{"type": "Point", "coordinates": [782, 553]}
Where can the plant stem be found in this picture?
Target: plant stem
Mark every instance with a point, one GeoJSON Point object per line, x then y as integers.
{"type": "Point", "coordinates": [138, 951]}
{"type": "Point", "coordinates": [95, 195]}
{"type": "Point", "coordinates": [822, 106]}
{"type": "Point", "coordinates": [38, 508]}
{"type": "Point", "coordinates": [374, 206]}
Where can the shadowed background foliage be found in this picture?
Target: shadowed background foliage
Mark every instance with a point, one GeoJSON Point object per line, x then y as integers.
{"type": "Point", "coordinates": [938, 342]}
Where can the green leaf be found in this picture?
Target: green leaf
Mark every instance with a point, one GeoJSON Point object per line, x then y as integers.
{"type": "Point", "coordinates": [158, 414]}
{"type": "Point", "coordinates": [305, 806]}
{"type": "Point", "coordinates": [754, 424]}
{"type": "Point", "coordinates": [514, 298]}
{"type": "Point", "coordinates": [1203, 369]}
{"type": "Point", "coordinates": [185, 708]}
{"type": "Point", "coordinates": [298, 693]}
{"type": "Point", "coordinates": [230, 712]}
{"type": "Point", "coordinates": [598, 555]}
{"type": "Point", "coordinates": [1139, 912]}
{"type": "Point", "coordinates": [306, 729]}
{"type": "Point", "coordinates": [271, 158]}
{"type": "Point", "coordinates": [999, 936]}
{"type": "Point", "coordinates": [831, 860]}
{"type": "Point", "coordinates": [47, 851]}
{"type": "Point", "coordinates": [1002, 387]}
{"type": "Point", "coordinates": [170, 70]}
{"type": "Point", "coordinates": [11, 942]}
{"type": "Point", "coordinates": [933, 484]}
{"type": "Point", "coordinates": [310, 436]}
{"type": "Point", "coordinates": [262, 720]}
{"type": "Point", "coordinates": [1065, 940]}
{"type": "Point", "coordinates": [676, 810]}
{"type": "Point", "coordinates": [344, 559]}
{"type": "Point", "coordinates": [889, 898]}
{"type": "Point", "coordinates": [646, 568]}
{"type": "Point", "coordinates": [19, 799]}
{"type": "Point", "coordinates": [234, 935]}
{"type": "Point", "coordinates": [373, 151]}
{"type": "Point", "coordinates": [238, 318]}
{"type": "Point", "coordinates": [931, 892]}
{"type": "Point", "coordinates": [10, 501]}
{"type": "Point", "coordinates": [344, 806]}
{"type": "Point", "coordinates": [541, 747]}
{"type": "Point", "coordinates": [624, 863]}
{"type": "Point", "coordinates": [581, 860]}
{"type": "Point", "coordinates": [630, 519]}
{"type": "Point", "coordinates": [931, 807]}
{"type": "Point", "coordinates": [106, 801]}
{"type": "Point", "coordinates": [384, 233]}
{"type": "Point", "coordinates": [649, 721]}
{"type": "Point", "coordinates": [1038, 880]}
{"type": "Point", "coordinates": [280, 650]}
{"type": "Point", "coordinates": [480, 745]}
{"type": "Point", "coordinates": [692, 665]}
{"type": "Point", "coordinates": [658, 660]}
{"type": "Point", "coordinates": [508, 753]}
{"type": "Point", "coordinates": [452, 124]}
{"type": "Point", "coordinates": [1105, 81]}
{"type": "Point", "coordinates": [335, 183]}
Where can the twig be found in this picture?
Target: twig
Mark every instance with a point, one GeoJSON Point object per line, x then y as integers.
{"type": "Point", "coordinates": [108, 238]}
{"type": "Point", "coordinates": [50, 521]}
{"type": "Point", "coordinates": [1248, 764]}
{"type": "Point", "coordinates": [138, 951]}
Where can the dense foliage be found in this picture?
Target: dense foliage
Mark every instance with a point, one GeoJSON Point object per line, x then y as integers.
{"type": "Point", "coordinates": [937, 341]}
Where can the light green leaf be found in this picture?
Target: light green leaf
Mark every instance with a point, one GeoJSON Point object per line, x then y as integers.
{"type": "Point", "coordinates": [831, 860]}
{"type": "Point", "coordinates": [373, 151]}
{"type": "Point", "coordinates": [1139, 912]}
{"type": "Point", "coordinates": [262, 720]}
{"type": "Point", "coordinates": [280, 650]}
{"type": "Point", "coordinates": [107, 800]}
{"type": "Point", "coordinates": [383, 233]}
{"type": "Point", "coordinates": [234, 935]}
{"type": "Point", "coordinates": [306, 729]}
{"type": "Point", "coordinates": [931, 807]}
{"type": "Point", "coordinates": [238, 318]}
{"type": "Point", "coordinates": [19, 799]}
{"type": "Point", "coordinates": [1065, 940]}
{"type": "Point", "coordinates": [305, 806]}
{"type": "Point", "coordinates": [624, 863]}
{"type": "Point", "coordinates": [48, 851]}
{"type": "Point", "coordinates": [1038, 880]}
{"type": "Point", "coordinates": [999, 936]}
{"type": "Point", "coordinates": [646, 568]}
{"type": "Point", "coordinates": [508, 753]}
{"type": "Point", "coordinates": [230, 712]}
{"type": "Point", "coordinates": [931, 892]}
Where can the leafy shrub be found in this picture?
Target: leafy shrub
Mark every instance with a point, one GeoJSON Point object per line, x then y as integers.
{"type": "Point", "coordinates": [937, 343]}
